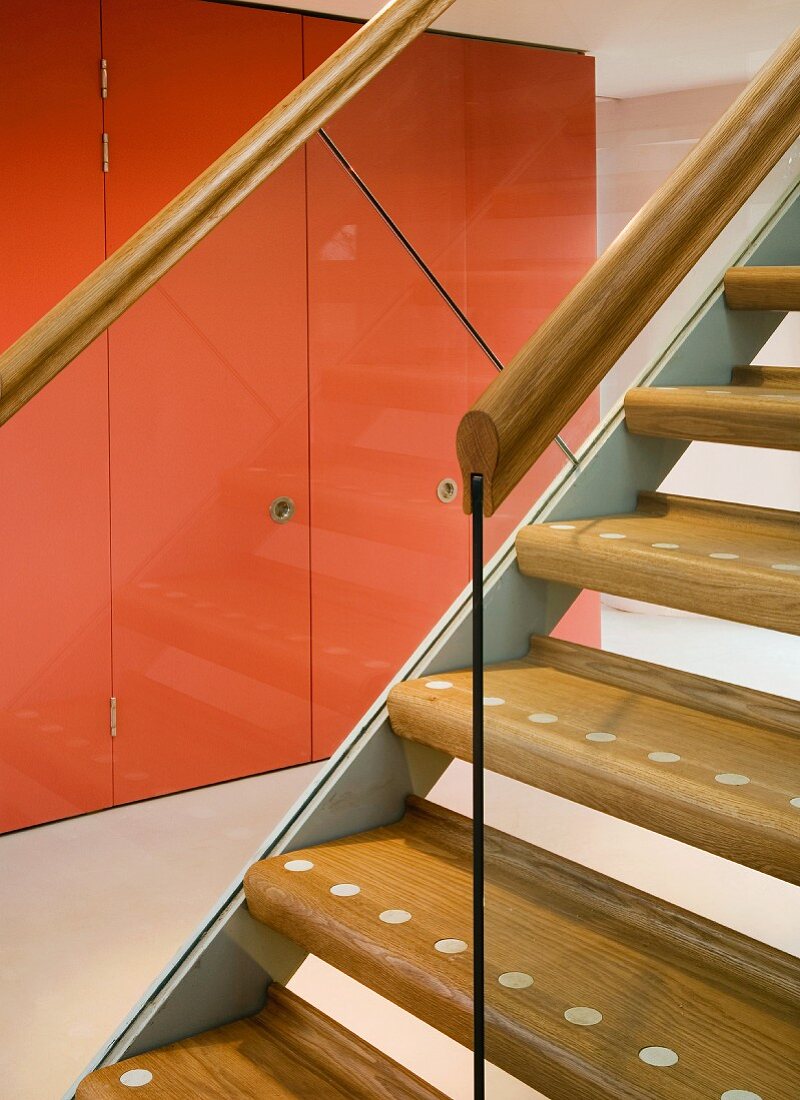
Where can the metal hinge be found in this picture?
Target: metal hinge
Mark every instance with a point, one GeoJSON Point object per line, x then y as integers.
{"type": "Point", "coordinates": [113, 716]}
{"type": "Point", "coordinates": [105, 152]}
{"type": "Point", "coordinates": [103, 78]}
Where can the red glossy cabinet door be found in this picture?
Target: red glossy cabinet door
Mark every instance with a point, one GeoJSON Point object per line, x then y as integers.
{"type": "Point", "coordinates": [531, 232]}
{"type": "Point", "coordinates": [209, 410]}
{"type": "Point", "coordinates": [531, 213]}
{"type": "Point", "coordinates": [55, 683]}
{"type": "Point", "coordinates": [483, 154]}
{"type": "Point", "coordinates": [297, 352]}
{"type": "Point", "coordinates": [388, 376]}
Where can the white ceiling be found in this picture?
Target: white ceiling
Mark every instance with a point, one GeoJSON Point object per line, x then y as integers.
{"type": "Point", "coordinates": [642, 46]}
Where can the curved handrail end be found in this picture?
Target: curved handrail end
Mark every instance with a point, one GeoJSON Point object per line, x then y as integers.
{"type": "Point", "coordinates": [478, 449]}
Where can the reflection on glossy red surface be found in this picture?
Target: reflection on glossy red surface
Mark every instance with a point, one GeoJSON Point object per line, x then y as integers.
{"type": "Point", "coordinates": [55, 749]}
{"type": "Point", "coordinates": [488, 167]}
{"type": "Point", "coordinates": [487, 163]}
{"type": "Point", "coordinates": [531, 215]}
{"type": "Point", "coordinates": [388, 377]}
{"type": "Point", "coordinates": [208, 412]}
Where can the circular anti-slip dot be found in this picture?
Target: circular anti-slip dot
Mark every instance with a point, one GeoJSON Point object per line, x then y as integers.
{"type": "Point", "coordinates": [583, 1017]}
{"type": "Point", "coordinates": [600, 738]}
{"type": "Point", "coordinates": [395, 916]}
{"type": "Point", "coordinates": [515, 979]}
{"type": "Point", "coordinates": [298, 865]}
{"type": "Point", "coordinates": [663, 757]}
{"type": "Point", "coordinates": [493, 701]}
{"type": "Point", "coordinates": [543, 719]}
{"type": "Point", "coordinates": [732, 779]}
{"type": "Point", "coordinates": [135, 1078]}
{"type": "Point", "coordinates": [438, 685]}
{"type": "Point", "coordinates": [612, 535]}
{"type": "Point", "coordinates": [724, 557]}
{"type": "Point", "coordinates": [739, 1094]}
{"type": "Point", "coordinates": [658, 1056]}
{"type": "Point", "coordinates": [450, 947]}
{"type": "Point", "coordinates": [786, 567]}
{"type": "Point", "coordinates": [562, 526]}
{"type": "Point", "coordinates": [345, 890]}
{"type": "Point", "coordinates": [795, 802]}
{"type": "Point", "coordinates": [665, 545]}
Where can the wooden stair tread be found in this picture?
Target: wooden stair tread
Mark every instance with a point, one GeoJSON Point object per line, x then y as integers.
{"type": "Point", "coordinates": [288, 1050]}
{"type": "Point", "coordinates": [573, 691]}
{"type": "Point", "coordinates": [663, 553]}
{"type": "Point", "coordinates": [761, 408]}
{"type": "Point", "coordinates": [659, 976]}
{"type": "Point", "coordinates": [774, 288]}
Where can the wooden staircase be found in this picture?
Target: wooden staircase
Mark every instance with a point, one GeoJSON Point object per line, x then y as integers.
{"type": "Point", "coordinates": [727, 560]}
{"type": "Point", "coordinates": [711, 764]}
{"type": "Point", "coordinates": [586, 978]}
{"type": "Point", "coordinates": [760, 408]}
{"type": "Point", "coordinates": [288, 1050]}
{"type": "Point", "coordinates": [595, 991]}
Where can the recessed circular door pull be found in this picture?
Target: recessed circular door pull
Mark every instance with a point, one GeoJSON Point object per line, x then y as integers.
{"type": "Point", "coordinates": [447, 490]}
{"type": "Point", "coordinates": [282, 509]}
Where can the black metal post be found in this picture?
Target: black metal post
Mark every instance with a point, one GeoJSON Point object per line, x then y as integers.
{"type": "Point", "coordinates": [478, 915]}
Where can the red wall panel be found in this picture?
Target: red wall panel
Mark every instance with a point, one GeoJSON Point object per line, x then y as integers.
{"type": "Point", "coordinates": [388, 376]}
{"type": "Point", "coordinates": [531, 232]}
{"type": "Point", "coordinates": [483, 154]}
{"type": "Point", "coordinates": [208, 411]}
{"type": "Point", "coordinates": [55, 747]}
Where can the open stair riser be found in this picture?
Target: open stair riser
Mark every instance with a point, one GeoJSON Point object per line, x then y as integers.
{"type": "Point", "coordinates": [705, 763]}
{"type": "Point", "coordinates": [774, 288]}
{"type": "Point", "coordinates": [730, 561]}
{"type": "Point", "coordinates": [713, 974]}
{"type": "Point", "coordinates": [289, 1051]}
{"type": "Point", "coordinates": [559, 938]}
{"type": "Point", "coordinates": [761, 408]}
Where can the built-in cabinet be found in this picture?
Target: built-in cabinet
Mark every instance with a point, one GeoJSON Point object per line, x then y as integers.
{"type": "Point", "coordinates": [297, 352]}
{"type": "Point", "coordinates": [55, 610]}
{"type": "Point", "coordinates": [208, 402]}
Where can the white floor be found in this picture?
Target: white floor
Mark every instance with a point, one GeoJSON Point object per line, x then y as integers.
{"type": "Point", "coordinates": [95, 907]}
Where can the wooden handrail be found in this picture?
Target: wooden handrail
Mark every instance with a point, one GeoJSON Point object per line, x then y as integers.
{"type": "Point", "coordinates": [54, 341]}
{"type": "Point", "coordinates": [523, 409]}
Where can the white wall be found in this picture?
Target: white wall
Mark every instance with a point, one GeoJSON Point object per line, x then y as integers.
{"type": "Point", "coordinates": [641, 46]}
{"type": "Point", "coordinates": [640, 141]}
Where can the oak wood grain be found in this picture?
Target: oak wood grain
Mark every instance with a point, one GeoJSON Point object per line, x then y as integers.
{"type": "Point", "coordinates": [648, 709]}
{"type": "Point", "coordinates": [773, 288]}
{"type": "Point", "coordinates": [659, 975]}
{"type": "Point", "coordinates": [671, 685]}
{"type": "Point", "coordinates": [54, 341]}
{"type": "Point", "coordinates": [290, 1050]}
{"type": "Point", "coordinates": [763, 411]}
{"type": "Point", "coordinates": [518, 416]}
{"type": "Point", "coordinates": [775, 378]}
{"type": "Point", "coordinates": [665, 556]}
